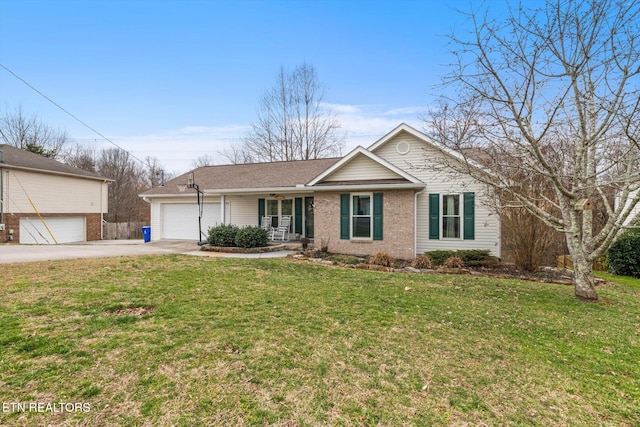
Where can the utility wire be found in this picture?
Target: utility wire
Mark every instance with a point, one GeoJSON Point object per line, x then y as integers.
{"type": "Point", "coordinates": [69, 113]}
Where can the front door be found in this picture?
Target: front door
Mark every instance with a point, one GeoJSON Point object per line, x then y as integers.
{"type": "Point", "coordinates": [308, 223]}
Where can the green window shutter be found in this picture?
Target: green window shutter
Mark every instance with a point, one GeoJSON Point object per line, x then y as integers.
{"type": "Point", "coordinates": [377, 216]}
{"type": "Point", "coordinates": [469, 216]}
{"type": "Point", "coordinates": [260, 211]}
{"type": "Point", "coordinates": [344, 216]}
{"type": "Point", "coordinates": [298, 215]}
{"type": "Point", "coordinates": [434, 216]}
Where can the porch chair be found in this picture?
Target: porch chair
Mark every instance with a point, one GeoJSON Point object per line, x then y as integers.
{"type": "Point", "coordinates": [266, 225]}
{"type": "Point", "coordinates": [282, 232]}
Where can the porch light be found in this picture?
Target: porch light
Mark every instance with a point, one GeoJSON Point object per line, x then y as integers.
{"type": "Point", "coordinates": [191, 184]}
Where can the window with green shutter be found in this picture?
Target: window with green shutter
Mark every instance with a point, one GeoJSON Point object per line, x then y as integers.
{"type": "Point", "coordinates": [260, 210]}
{"type": "Point", "coordinates": [344, 216]}
{"type": "Point", "coordinates": [434, 216]}
{"type": "Point", "coordinates": [377, 216]}
{"type": "Point", "coordinates": [361, 216]}
{"type": "Point", "coordinates": [469, 216]}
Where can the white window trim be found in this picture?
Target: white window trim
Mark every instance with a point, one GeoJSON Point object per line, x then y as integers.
{"type": "Point", "coordinates": [460, 215]}
{"type": "Point", "coordinates": [351, 216]}
{"type": "Point", "coordinates": [280, 214]}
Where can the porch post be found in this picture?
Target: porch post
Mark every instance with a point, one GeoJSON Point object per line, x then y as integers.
{"type": "Point", "coordinates": [222, 209]}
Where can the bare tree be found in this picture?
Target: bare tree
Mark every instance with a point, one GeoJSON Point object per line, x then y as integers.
{"type": "Point", "coordinates": [31, 134]}
{"type": "Point", "coordinates": [80, 156]}
{"type": "Point", "coordinates": [553, 93]}
{"type": "Point", "coordinates": [293, 122]}
{"type": "Point", "coordinates": [236, 154]}
{"type": "Point", "coordinates": [129, 180]}
{"type": "Point", "coordinates": [155, 175]}
{"type": "Point", "coordinates": [204, 160]}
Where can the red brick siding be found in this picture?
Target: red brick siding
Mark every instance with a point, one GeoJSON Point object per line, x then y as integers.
{"type": "Point", "coordinates": [398, 223]}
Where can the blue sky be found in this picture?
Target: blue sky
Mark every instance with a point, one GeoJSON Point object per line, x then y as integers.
{"type": "Point", "coordinates": [177, 79]}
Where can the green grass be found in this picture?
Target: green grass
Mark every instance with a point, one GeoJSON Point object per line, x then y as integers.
{"type": "Point", "coordinates": [622, 280]}
{"type": "Point", "coordinates": [276, 342]}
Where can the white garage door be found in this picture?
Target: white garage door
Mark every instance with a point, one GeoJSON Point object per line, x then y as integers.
{"type": "Point", "coordinates": [180, 220]}
{"type": "Point", "coordinates": [64, 230]}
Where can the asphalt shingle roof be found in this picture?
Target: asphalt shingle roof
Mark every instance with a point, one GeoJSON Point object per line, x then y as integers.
{"type": "Point", "coordinates": [252, 175]}
{"type": "Point", "coordinates": [15, 157]}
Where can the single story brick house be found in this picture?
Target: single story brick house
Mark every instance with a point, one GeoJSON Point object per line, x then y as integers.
{"type": "Point", "coordinates": [393, 196]}
{"type": "Point", "coordinates": [43, 201]}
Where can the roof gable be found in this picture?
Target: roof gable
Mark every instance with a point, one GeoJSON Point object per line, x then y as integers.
{"type": "Point", "coordinates": [403, 127]}
{"type": "Point", "coordinates": [13, 157]}
{"type": "Point", "coordinates": [361, 164]}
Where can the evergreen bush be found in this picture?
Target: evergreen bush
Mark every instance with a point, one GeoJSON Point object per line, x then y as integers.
{"type": "Point", "coordinates": [251, 237]}
{"type": "Point", "coordinates": [223, 235]}
{"type": "Point", "coordinates": [623, 258]}
{"type": "Point", "coordinates": [470, 257]}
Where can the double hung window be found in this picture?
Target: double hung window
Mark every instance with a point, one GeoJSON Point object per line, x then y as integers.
{"type": "Point", "coordinates": [361, 216]}
{"type": "Point", "coordinates": [451, 216]}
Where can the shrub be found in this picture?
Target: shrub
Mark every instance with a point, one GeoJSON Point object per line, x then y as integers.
{"type": "Point", "coordinates": [623, 258]}
{"type": "Point", "coordinates": [453, 262]}
{"type": "Point", "coordinates": [422, 262]}
{"type": "Point", "coordinates": [251, 237]}
{"type": "Point", "coordinates": [474, 257]}
{"type": "Point", "coordinates": [439, 257]}
{"type": "Point", "coordinates": [223, 235]}
{"type": "Point", "coordinates": [469, 257]}
{"type": "Point", "coordinates": [382, 258]}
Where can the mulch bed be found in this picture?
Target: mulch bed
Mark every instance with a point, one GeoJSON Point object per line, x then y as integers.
{"type": "Point", "coordinates": [543, 275]}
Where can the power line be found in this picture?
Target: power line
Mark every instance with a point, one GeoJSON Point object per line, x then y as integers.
{"type": "Point", "coordinates": [67, 112]}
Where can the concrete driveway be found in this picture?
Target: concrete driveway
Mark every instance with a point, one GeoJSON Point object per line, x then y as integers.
{"type": "Point", "coordinates": [10, 253]}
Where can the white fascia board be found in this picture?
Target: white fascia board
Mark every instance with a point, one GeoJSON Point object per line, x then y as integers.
{"type": "Point", "coordinates": [232, 191]}
{"type": "Point", "coordinates": [50, 172]}
{"type": "Point", "coordinates": [363, 187]}
{"type": "Point", "coordinates": [278, 190]}
{"type": "Point", "coordinates": [355, 152]}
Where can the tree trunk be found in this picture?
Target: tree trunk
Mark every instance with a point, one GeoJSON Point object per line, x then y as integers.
{"type": "Point", "coordinates": [583, 279]}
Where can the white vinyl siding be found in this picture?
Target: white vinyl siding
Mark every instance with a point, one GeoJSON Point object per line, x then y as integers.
{"type": "Point", "coordinates": [52, 193]}
{"type": "Point", "coordinates": [57, 230]}
{"type": "Point", "coordinates": [438, 179]}
{"type": "Point", "coordinates": [244, 210]}
{"type": "Point", "coordinates": [361, 168]}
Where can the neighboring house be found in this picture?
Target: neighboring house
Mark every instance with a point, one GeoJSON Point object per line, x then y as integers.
{"type": "Point", "coordinates": [635, 212]}
{"type": "Point", "coordinates": [43, 201]}
{"type": "Point", "coordinates": [393, 197]}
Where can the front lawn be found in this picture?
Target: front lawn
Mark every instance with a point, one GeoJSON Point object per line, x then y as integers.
{"type": "Point", "coordinates": [179, 340]}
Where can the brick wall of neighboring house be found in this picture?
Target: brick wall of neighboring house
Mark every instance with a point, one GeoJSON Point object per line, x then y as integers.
{"type": "Point", "coordinates": [398, 225]}
{"type": "Point", "coordinates": [93, 224]}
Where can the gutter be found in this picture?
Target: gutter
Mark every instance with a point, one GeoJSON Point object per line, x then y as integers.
{"type": "Point", "coordinates": [50, 172]}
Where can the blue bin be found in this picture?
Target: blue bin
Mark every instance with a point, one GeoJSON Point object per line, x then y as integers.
{"type": "Point", "coordinates": [146, 234]}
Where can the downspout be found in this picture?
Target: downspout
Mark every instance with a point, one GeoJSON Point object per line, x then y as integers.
{"type": "Point", "coordinates": [415, 221]}
{"type": "Point", "coordinates": [102, 184]}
